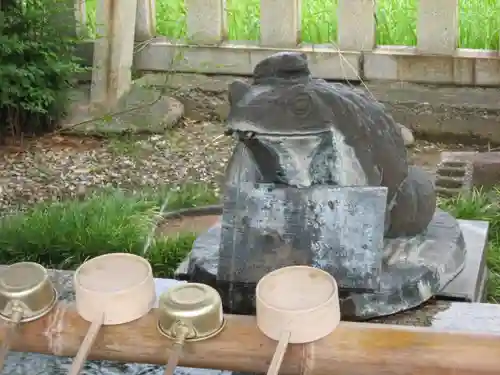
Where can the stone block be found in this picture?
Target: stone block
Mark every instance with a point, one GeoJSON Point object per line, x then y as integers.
{"type": "Point", "coordinates": [338, 229]}
{"type": "Point", "coordinates": [469, 285]}
{"type": "Point", "coordinates": [459, 172]}
{"type": "Point", "coordinates": [486, 172]}
{"type": "Point", "coordinates": [478, 318]}
{"type": "Point", "coordinates": [453, 177]}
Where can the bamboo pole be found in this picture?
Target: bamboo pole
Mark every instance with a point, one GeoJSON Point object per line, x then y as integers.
{"type": "Point", "coordinates": [353, 349]}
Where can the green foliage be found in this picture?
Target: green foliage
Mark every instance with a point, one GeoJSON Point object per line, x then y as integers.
{"type": "Point", "coordinates": [479, 21]}
{"type": "Point", "coordinates": [482, 205]}
{"type": "Point", "coordinates": [65, 234]}
{"type": "Point", "coordinates": [37, 64]}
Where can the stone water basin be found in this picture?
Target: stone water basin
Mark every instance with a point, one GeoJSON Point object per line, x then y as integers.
{"type": "Point", "coordinates": [469, 317]}
{"type": "Point", "coordinates": [438, 314]}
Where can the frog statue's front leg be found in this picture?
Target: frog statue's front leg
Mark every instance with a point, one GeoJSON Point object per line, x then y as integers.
{"type": "Point", "coordinates": [413, 205]}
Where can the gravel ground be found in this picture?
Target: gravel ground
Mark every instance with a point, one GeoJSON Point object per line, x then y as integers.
{"type": "Point", "coordinates": [57, 167]}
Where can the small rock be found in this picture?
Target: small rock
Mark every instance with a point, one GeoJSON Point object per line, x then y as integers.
{"type": "Point", "coordinates": [192, 110]}
{"type": "Point", "coordinates": [141, 110]}
{"type": "Point", "coordinates": [173, 111]}
{"type": "Point", "coordinates": [222, 111]}
{"type": "Point", "coordinates": [407, 134]}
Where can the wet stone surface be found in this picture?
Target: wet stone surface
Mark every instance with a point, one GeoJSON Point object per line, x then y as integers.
{"type": "Point", "coordinates": [263, 230]}
{"type": "Point", "coordinates": [414, 270]}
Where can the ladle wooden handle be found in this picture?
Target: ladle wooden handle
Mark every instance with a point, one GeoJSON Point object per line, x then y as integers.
{"type": "Point", "coordinates": [181, 332]}
{"type": "Point", "coordinates": [279, 354]}
{"type": "Point", "coordinates": [173, 359]}
{"type": "Point", "coordinates": [86, 346]}
{"type": "Point", "coordinates": [17, 315]}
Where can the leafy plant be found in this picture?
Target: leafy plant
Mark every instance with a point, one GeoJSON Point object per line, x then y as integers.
{"type": "Point", "coordinates": [65, 234]}
{"type": "Point", "coordinates": [37, 64]}
{"type": "Point", "coordinates": [479, 21]}
{"type": "Point", "coordinates": [482, 205]}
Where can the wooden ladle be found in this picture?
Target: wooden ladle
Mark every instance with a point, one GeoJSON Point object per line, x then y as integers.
{"type": "Point", "coordinates": [26, 294]}
{"type": "Point", "coordinates": [111, 289]}
{"type": "Point", "coordinates": [297, 304]}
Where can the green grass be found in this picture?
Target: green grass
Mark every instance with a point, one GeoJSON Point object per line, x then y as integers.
{"type": "Point", "coordinates": [479, 21]}
{"type": "Point", "coordinates": [482, 206]}
{"type": "Point", "coordinates": [64, 234]}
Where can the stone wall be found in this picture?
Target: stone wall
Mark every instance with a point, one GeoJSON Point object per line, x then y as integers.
{"type": "Point", "coordinates": [450, 114]}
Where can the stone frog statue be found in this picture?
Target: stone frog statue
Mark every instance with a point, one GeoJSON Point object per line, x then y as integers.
{"type": "Point", "coordinates": [301, 131]}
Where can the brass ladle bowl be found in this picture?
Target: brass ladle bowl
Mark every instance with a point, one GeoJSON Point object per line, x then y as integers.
{"type": "Point", "coordinates": [189, 312]}
{"type": "Point", "coordinates": [26, 294]}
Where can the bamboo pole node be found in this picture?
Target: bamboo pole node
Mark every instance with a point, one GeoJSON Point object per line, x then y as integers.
{"type": "Point", "coordinates": [111, 289]}
{"type": "Point", "coordinates": [297, 304]}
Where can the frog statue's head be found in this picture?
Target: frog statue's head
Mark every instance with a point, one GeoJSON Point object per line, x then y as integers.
{"type": "Point", "coordinates": [303, 131]}
{"type": "Point", "coordinates": [300, 131]}
{"type": "Point", "coordinates": [282, 100]}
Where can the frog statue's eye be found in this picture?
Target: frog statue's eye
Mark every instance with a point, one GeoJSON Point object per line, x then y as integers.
{"type": "Point", "coordinates": [300, 104]}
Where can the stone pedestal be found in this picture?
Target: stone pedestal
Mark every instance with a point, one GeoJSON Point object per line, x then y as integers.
{"type": "Point", "coordinates": [470, 284]}
{"type": "Point", "coordinates": [415, 270]}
